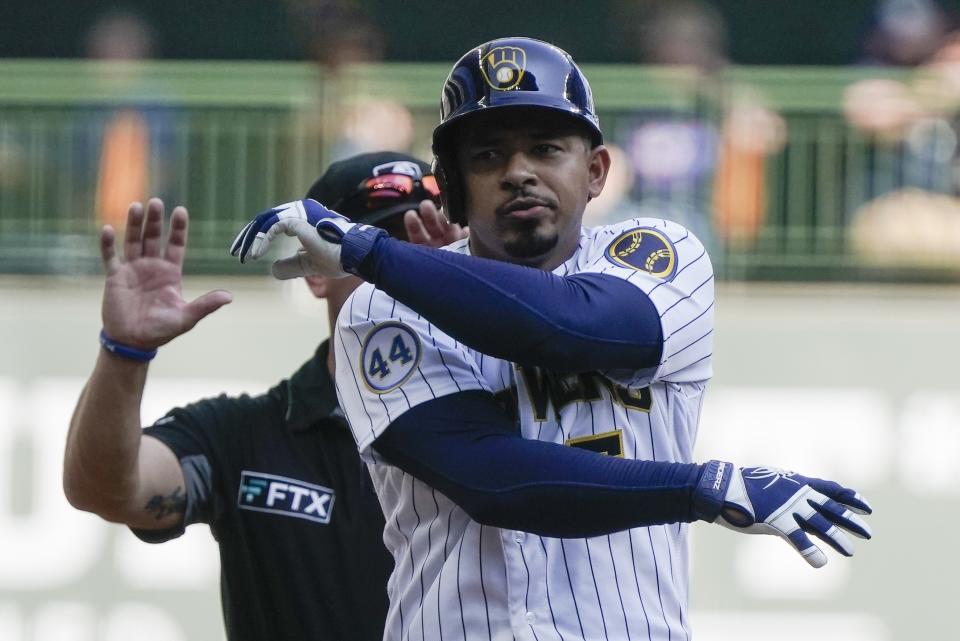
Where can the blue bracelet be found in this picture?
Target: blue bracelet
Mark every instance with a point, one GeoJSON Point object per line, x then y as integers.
{"type": "Point", "coordinates": [355, 246]}
{"type": "Point", "coordinates": [711, 488]}
{"type": "Point", "coordinates": [125, 350]}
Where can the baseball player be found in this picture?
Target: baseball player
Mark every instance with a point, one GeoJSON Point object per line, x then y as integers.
{"type": "Point", "coordinates": [530, 432]}
{"type": "Point", "coordinates": [276, 476]}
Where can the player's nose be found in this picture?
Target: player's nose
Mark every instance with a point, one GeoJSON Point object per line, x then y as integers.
{"type": "Point", "coordinates": [518, 172]}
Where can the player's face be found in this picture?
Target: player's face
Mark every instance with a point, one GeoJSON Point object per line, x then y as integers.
{"type": "Point", "coordinates": [527, 177]}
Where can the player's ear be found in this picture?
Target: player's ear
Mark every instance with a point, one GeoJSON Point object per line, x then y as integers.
{"type": "Point", "coordinates": [599, 169]}
{"type": "Point", "coordinates": [319, 285]}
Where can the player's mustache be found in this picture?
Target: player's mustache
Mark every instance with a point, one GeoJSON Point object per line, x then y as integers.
{"type": "Point", "coordinates": [524, 201]}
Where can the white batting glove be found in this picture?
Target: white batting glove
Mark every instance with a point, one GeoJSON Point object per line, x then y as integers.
{"type": "Point", "coordinates": [319, 230]}
{"type": "Point", "coordinates": [763, 500]}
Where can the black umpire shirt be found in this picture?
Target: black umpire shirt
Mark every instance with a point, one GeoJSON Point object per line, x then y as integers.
{"type": "Point", "coordinates": [279, 480]}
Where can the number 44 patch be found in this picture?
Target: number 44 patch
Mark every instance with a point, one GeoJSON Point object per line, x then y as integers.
{"type": "Point", "coordinates": [390, 354]}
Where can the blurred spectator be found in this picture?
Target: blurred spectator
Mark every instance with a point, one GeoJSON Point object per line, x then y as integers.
{"type": "Point", "coordinates": [120, 35]}
{"type": "Point", "coordinates": [335, 32]}
{"type": "Point", "coordinates": [905, 33]}
{"type": "Point", "coordinates": [909, 227]}
{"type": "Point", "coordinates": [686, 33]}
{"type": "Point", "coordinates": [911, 128]}
{"type": "Point", "coordinates": [750, 134]}
{"type": "Point", "coordinates": [705, 170]}
{"type": "Point", "coordinates": [132, 142]}
{"type": "Point", "coordinates": [671, 153]}
{"type": "Point", "coordinates": [339, 36]}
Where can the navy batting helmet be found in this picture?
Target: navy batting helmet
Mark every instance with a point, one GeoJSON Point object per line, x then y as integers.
{"type": "Point", "coordinates": [504, 73]}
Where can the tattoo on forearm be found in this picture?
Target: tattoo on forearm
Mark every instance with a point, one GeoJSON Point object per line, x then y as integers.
{"type": "Point", "coordinates": [162, 506]}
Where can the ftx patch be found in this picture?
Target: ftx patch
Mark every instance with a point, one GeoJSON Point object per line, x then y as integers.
{"type": "Point", "coordinates": [281, 495]}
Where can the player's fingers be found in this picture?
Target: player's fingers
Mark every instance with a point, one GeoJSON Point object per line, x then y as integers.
{"type": "Point", "coordinates": [452, 232]}
{"type": "Point", "coordinates": [802, 543]}
{"type": "Point", "coordinates": [238, 241]}
{"type": "Point", "coordinates": [260, 244]}
{"type": "Point", "coordinates": [837, 513]}
{"type": "Point", "coordinates": [248, 240]}
{"type": "Point", "coordinates": [204, 305]}
{"type": "Point", "coordinates": [416, 232]}
{"type": "Point", "coordinates": [177, 240]}
{"type": "Point", "coordinates": [153, 228]}
{"type": "Point", "coordinates": [434, 222]}
{"type": "Point", "coordinates": [271, 229]}
{"type": "Point", "coordinates": [841, 494]}
{"type": "Point", "coordinates": [252, 244]}
{"type": "Point", "coordinates": [108, 250]}
{"type": "Point", "coordinates": [292, 267]}
{"type": "Point", "coordinates": [131, 237]}
{"type": "Point", "coordinates": [827, 532]}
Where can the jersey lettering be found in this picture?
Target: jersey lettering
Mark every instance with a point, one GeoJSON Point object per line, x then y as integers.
{"type": "Point", "coordinates": [546, 388]}
{"type": "Point", "coordinates": [639, 399]}
{"type": "Point", "coordinates": [607, 443]}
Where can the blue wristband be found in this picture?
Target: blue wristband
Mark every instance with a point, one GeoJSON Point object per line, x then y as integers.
{"type": "Point", "coordinates": [711, 488]}
{"type": "Point", "coordinates": [125, 351]}
{"type": "Point", "coordinates": [356, 245]}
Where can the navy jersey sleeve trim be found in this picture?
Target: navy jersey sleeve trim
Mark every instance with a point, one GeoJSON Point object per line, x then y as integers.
{"type": "Point", "coordinates": [577, 323]}
{"type": "Point", "coordinates": [465, 446]}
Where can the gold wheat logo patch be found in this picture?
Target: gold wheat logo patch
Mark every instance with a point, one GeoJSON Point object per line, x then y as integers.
{"type": "Point", "coordinates": [644, 249]}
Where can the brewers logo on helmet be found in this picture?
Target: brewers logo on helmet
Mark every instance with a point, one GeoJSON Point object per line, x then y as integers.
{"type": "Point", "coordinates": [503, 67]}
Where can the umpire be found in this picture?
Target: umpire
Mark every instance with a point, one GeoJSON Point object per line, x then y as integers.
{"type": "Point", "coordinates": [276, 476]}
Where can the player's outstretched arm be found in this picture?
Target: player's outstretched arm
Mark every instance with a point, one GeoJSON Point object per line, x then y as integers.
{"type": "Point", "coordinates": [109, 469]}
{"type": "Point", "coordinates": [465, 446]}
{"type": "Point", "coordinates": [580, 323]}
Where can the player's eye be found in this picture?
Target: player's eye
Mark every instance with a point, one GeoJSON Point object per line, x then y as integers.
{"type": "Point", "coordinates": [486, 155]}
{"type": "Point", "coordinates": [546, 149]}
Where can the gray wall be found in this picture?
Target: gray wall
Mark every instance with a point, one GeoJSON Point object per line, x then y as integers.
{"type": "Point", "coordinates": [853, 383]}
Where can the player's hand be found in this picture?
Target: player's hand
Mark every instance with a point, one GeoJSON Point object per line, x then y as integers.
{"type": "Point", "coordinates": [319, 230]}
{"type": "Point", "coordinates": [429, 227]}
{"type": "Point", "coordinates": [142, 302]}
{"type": "Point", "coordinates": [763, 500]}
{"type": "Point", "coordinates": [300, 218]}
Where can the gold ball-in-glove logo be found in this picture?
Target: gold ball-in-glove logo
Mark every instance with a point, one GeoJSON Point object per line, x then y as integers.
{"type": "Point", "coordinates": [503, 67]}
{"type": "Point", "coordinates": [644, 249]}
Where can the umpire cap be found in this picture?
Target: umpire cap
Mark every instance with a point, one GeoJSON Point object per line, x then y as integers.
{"type": "Point", "coordinates": [371, 188]}
{"type": "Point", "coordinates": [501, 74]}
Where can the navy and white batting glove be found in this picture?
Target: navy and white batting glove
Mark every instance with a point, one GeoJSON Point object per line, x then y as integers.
{"type": "Point", "coordinates": [332, 245]}
{"type": "Point", "coordinates": [764, 500]}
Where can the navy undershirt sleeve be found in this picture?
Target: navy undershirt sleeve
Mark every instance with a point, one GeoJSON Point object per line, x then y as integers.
{"type": "Point", "coordinates": [467, 447]}
{"type": "Point", "coordinates": [578, 323]}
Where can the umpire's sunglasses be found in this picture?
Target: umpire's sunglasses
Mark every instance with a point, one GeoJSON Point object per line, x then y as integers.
{"type": "Point", "coordinates": [380, 192]}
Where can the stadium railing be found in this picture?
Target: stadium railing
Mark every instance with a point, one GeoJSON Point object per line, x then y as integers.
{"type": "Point", "coordinates": [228, 139]}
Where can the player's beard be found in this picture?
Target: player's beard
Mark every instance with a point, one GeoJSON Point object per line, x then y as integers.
{"type": "Point", "coordinates": [527, 239]}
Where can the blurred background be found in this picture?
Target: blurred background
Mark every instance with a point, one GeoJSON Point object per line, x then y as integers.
{"type": "Point", "coordinates": [813, 146]}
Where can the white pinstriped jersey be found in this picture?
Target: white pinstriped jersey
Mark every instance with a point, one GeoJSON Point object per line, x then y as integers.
{"type": "Point", "coordinates": [456, 579]}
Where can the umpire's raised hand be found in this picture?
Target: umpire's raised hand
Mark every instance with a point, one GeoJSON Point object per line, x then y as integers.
{"type": "Point", "coordinates": [143, 306]}
{"type": "Point", "coordinates": [428, 226]}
